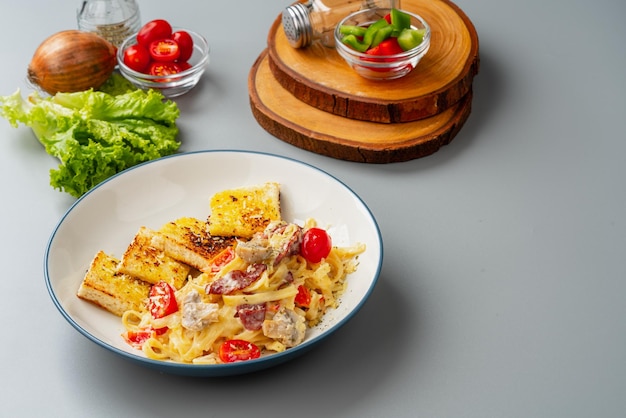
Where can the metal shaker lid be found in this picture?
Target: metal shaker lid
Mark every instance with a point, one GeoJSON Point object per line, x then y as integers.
{"type": "Point", "coordinates": [297, 25]}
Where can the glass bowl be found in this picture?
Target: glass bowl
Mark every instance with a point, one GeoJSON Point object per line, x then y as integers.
{"type": "Point", "coordinates": [171, 85]}
{"type": "Point", "coordinates": [381, 67]}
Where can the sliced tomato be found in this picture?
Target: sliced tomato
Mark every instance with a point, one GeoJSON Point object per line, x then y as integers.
{"type": "Point", "coordinates": [164, 50]}
{"type": "Point", "coordinates": [162, 300]}
{"type": "Point", "coordinates": [303, 297]}
{"type": "Point", "coordinates": [238, 350]}
{"type": "Point", "coordinates": [316, 245]}
{"type": "Point", "coordinates": [154, 30]}
{"type": "Point", "coordinates": [185, 44]}
{"type": "Point", "coordinates": [184, 66]}
{"type": "Point", "coordinates": [160, 331]}
{"type": "Point", "coordinates": [164, 69]}
{"type": "Point", "coordinates": [223, 258]}
{"type": "Point", "coordinates": [137, 338]}
{"type": "Point", "coordinates": [137, 57]}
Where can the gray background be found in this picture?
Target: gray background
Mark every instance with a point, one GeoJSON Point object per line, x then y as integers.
{"type": "Point", "coordinates": [503, 286]}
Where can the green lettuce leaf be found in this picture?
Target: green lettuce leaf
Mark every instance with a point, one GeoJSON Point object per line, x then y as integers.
{"type": "Point", "coordinates": [96, 134]}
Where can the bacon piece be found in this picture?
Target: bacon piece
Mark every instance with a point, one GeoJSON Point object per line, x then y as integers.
{"type": "Point", "coordinates": [252, 316]}
{"type": "Point", "coordinates": [236, 280]}
{"type": "Point", "coordinates": [291, 245]}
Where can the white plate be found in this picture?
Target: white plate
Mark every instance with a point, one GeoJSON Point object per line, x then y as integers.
{"type": "Point", "coordinates": [157, 192]}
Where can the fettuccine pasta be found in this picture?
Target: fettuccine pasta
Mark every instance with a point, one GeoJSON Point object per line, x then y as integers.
{"type": "Point", "coordinates": [267, 294]}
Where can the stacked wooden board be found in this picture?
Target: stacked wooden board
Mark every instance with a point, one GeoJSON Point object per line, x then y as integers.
{"type": "Point", "coordinates": [312, 99]}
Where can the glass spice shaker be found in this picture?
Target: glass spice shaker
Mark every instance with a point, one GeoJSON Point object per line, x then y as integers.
{"type": "Point", "coordinates": [114, 20]}
{"type": "Point", "coordinates": [316, 19]}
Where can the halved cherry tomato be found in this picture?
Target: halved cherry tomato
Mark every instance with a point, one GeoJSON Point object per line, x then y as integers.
{"type": "Point", "coordinates": [238, 350]}
{"type": "Point", "coordinates": [184, 66]}
{"type": "Point", "coordinates": [162, 300]}
{"type": "Point", "coordinates": [303, 297]}
{"type": "Point", "coordinates": [316, 245]}
{"type": "Point", "coordinates": [137, 58]}
{"type": "Point", "coordinates": [185, 44]}
{"type": "Point", "coordinates": [164, 50]}
{"type": "Point", "coordinates": [223, 258]}
{"type": "Point", "coordinates": [164, 69]}
{"type": "Point", "coordinates": [160, 331]}
{"type": "Point", "coordinates": [153, 31]}
{"type": "Point", "coordinates": [137, 338]}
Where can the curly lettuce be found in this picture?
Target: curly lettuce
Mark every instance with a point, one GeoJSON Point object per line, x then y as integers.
{"type": "Point", "coordinates": [96, 134]}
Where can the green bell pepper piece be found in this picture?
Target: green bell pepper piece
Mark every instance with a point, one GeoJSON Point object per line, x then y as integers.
{"type": "Point", "coordinates": [357, 31]}
{"type": "Point", "coordinates": [372, 29]}
{"type": "Point", "coordinates": [382, 34]}
{"type": "Point", "coordinates": [354, 43]}
{"type": "Point", "coordinates": [400, 19]}
{"type": "Point", "coordinates": [410, 38]}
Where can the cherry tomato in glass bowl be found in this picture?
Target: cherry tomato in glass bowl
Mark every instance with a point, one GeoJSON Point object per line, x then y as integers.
{"type": "Point", "coordinates": [161, 300]}
{"type": "Point", "coordinates": [164, 68]}
{"type": "Point", "coordinates": [137, 58]}
{"type": "Point", "coordinates": [185, 44]}
{"type": "Point", "coordinates": [164, 50]}
{"type": "Point", "coordinates": [316, 245]}
{"type": "Point", "coordinates": [153, 31]}
{"type": "Point", "coordinates": [238, 350]}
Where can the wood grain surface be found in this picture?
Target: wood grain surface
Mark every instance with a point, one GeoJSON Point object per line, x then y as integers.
{"type": "Point", "coordinates": [318, 76]}
{"type": "Point", "coordinates": [289, 119]}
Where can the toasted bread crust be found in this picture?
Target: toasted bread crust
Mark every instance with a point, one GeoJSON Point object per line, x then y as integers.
{"type": "Point", "coordinates": [104, 286]}
{"type": "Point", "coordinates": [244, 211]}
{"type": "Point", "coordinates": [142, 260]}
{"type": "Point", "coordinates": [188, 241]}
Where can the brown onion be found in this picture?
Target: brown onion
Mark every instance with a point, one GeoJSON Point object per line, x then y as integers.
{"type": "Point", "coordinates": [71, 61]}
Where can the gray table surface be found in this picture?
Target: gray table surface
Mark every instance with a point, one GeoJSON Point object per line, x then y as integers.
{"type": "Point", "coordinates": [503, 288]}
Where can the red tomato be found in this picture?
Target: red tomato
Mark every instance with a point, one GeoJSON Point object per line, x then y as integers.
{"type": "Point", "coordinates": [185, 43]}
{"type": "Point", "coordinates": [316, 245]}
{"type": "Point", "coordinates": [303, 297]}
{"type": "Point", "coordinates": [162, 301]}
{"type": "Point", "coordinates": [164, 50]}
{"type": "Point", "coordinates": [389, 46]}
{"type": "Point", "coordinates": [137, 338]}
{"type": "Point", "coordinates": [222, 259]}
{"type": "Point", "coordinates": [153, 31]}
{"type": "Point", "coordinates": [184, 66]}
{"type": "Point", "coordinates": [164, 69]}
{"type": "Point", "coordinates": [238, 350]}
{"type": "Point", "coordinates": [137, 58]}
{"type": "Point", "coordinates": [160, 331]}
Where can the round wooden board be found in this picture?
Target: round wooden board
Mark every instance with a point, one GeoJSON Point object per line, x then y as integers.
{"type": "Point", "coordinates": [286, 117]}
{"type": "Point", "coordinates": [320, 77]}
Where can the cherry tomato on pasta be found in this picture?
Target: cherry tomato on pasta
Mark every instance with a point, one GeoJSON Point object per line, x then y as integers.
{"type": "Point", "coordinates": [137, 338]}
{"type": "Point", "coordinates": [238, 350]}
{"type": "Point", "coordinates": [222, 259]}
{"type": "Point", "coordinates": [185, 44]}
{"type": "Point", "coordinates": [162, 300]}
{"type": "Point", "coordinates": [303, 297]}
{"type": "Point", "coordinates": [153, 31]}
{"type": "Point", "coordinates": [316, 245]}
{"type": "Point", "coordinates": [164, 50]}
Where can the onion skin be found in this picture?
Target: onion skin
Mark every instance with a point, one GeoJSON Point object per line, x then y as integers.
{"type": "Point", "coordinates": [71, 61]}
